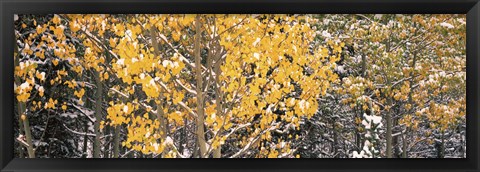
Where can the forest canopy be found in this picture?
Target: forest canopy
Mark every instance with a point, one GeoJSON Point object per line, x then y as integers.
{"type": "Point", "coordinates": [240, 86]}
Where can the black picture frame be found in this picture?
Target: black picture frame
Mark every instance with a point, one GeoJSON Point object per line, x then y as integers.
{"type": "Point", "coordinates": [10, 7]}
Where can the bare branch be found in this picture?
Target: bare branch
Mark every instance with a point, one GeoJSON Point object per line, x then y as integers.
{"type": "Point", "coordinates": [79, 133]}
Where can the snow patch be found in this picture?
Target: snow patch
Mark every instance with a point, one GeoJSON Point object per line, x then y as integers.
{"type": "Point", "coordinates": [447, 25]}
{"type": "Point", "coordinates": [25, 85]}
{"type": "Point", "coordinates": [168, 141]}
{"type": "Point", "coordinates": [121, 62]}
{"type": "Point", "coordinates": [256, 42]}
{"type": "Point", "coordinates": [69, 115]}
{"type": "Point", "coordinates": [256, 55]}
{"type": "Point", "coordinates": [326, 34]}
{"type": "Point", "coordinates": [134, 60]}
{"type": "Point", "coordinates": [378, 16]}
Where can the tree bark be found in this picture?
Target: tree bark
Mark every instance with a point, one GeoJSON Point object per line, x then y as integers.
{"type": "Point", "coordinates": [389, 132]}
{"type": "Point", "coordinates": [116, 142]}
{"type": "Point", "coordinates": [200, 103]}
{"type": "Point", "coordinates": [217, 153]}
{"type": "Point", "coordinates": [388, 116]}
{"type": "Point", "coordinates": [21, 132]}
{"type": "Point", "coordinates": [28, 135]}
{"type": "Point", "coordinates": [21, 128]}
{"type": "Point", "coordinates": [85, 140]}
{"type": "Point", "coordinates": [358, 140]}
{"type": "Point", "coordinates": [160, 113]}
{"type": "Point", "coordinates": [395, 140]}
{"type": "Point", "coordinates": [98, 116]}
{"type": "Point", "coordinates": [24, 121]}
{"type": "Point", "coordinates": [404, 144]}
{"type": "Point", "coordinates": [106, 153]}
{"type": "Point", "coordinates": [161, 119]}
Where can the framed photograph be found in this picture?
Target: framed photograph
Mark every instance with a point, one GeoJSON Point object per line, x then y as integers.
{"type": "Point", "coordinates": [249, 85]}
